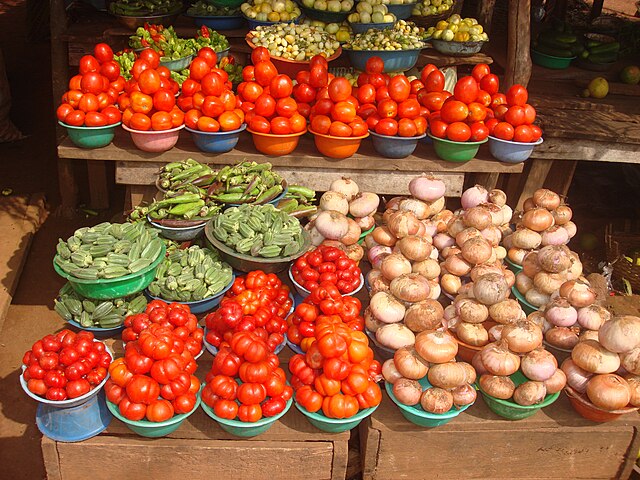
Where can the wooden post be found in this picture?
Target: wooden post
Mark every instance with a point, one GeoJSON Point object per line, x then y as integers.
{"type": "Point", "coordinates": [535, 179]}
{"type": "Point", "coordinates": [485, 14]}
{"type": "Point", "coordinates": [98, 188]}
{"type": "Point", "coordinates": [518, 68]}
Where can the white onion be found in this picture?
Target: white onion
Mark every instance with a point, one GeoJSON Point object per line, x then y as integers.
{"type": "Point", "coordinates": [538, 365]}
{"type": "Point", "coordinates": [593, 357]}
{"type": "Point", "coordinates": [450, 283]}
{"type": "Point", "coordinates": [631, 361]}
{"type": "Point", "coordinates": [364, 204]}
{"type": "Point", "coordinates": [390, 372]}
{"type": "Point", "coordinates": [492, 235]}
{"type": "Point", "coordinates": [345, 186]}
{"type": "Point", "coordinates": [529, 393]}
{"type": "Point", "coordinates": [365, 223]}
{"type": "Point", "coordinates": [593, 317]}
{"type": "Point", "coordinates": [402, 224]}
{"type": "Point", "coordinates": [474, 196]}
{"type": "Point", "coordinates": [557, 382]}
{"type": "Point", "coordinates": [386, 308]}
{"type": "Point", "coordinates": [429, 268]}
{"type": "Point", "coordinates": [555, 235]}
{"type": "Point", "coordinates": [609, 392]}
{"type": "Point", "coordinates": [536, 298]}
{"type": "Point", "coordinates": [537, 219]}
{"type": "Point", "coordinates": [499, 360]}
{"type": "Point", "coordinates": [517, 255]}
{"type": "Point", "coordinates": [562, 214]}
{"type": "Point", "coordinates": [477, 217]}
{"type": "Point", "coordinates": [395, 335]}
{"type": "Point", "coordinates": [522, 336]}
{"type": "Point", "coordinates": [507, 311]}
{"type": "Point", "coordinates": [443, 240]}
{"type": "Point", "coordinates": [525, 238]}
{"type": "Point", "coordinates": [427, 188]}
{"type": "Point", "coordinates": [464, 395]}
{"type": "Point", "coordinates": [415, 248]}
{"type": "Point", "coordinates": [523, 283]}
{"type": "Point", "coordinates": [621, 334]}
{"type": "Point", "coordinates": [410, 287]}
{"type": "Point", "coordinates": [579, 293]}
{"type": "Point", "coordinates": [383, 236]}
{"type": "Point", "coordinates": [425, 315]}
{"type": "Point", "coordinates": [476, 250]}
{"type": "Point", "coordinates": [332, 224]}
{"type": "Point", "coordinates": [562, 337]}
{"type": "Point", "coordinates": [577, 378]}
{"type": "Point", "coordinates": [498, 386]}
{"type": "Point", "coordinates": [419, 208]}
{"type": "Point", "coordinates": [335, 201]}
{"type": "Point", "coordinates": [548, 283]}
{"type": "Point", "coordinates": [571, 228]}
{"type": "Point", "coordinates": [491, 288]}
{"type": "Point", "coordinates": [395, 265]}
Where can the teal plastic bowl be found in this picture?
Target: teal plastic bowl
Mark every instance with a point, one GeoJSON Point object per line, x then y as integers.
{"type": "Point", "coordinates": [178, 64]}
{"type": "Point", "coordinates": [149, 429]}
{"type": "Point", "coordinates": [549, 61]}
{"type": "Point", "coordinates": [511, 410]}
{"type": "Point", "coordinates": [108, 288]}
{"type": "Point", "coordinates": [417, 415]}
{"type": "Point", "coordinates": [91, 137]}
{"type": "Point", "coordinates": [245, 429]}
{"type": "Point", "coordinates": [457, 152]}
{"type": "Point", "coordinates": [335, 425]}
{"type": "Point", "coordinates": [514, 267]}
{"type": "Point", "coordinates": [526, 306]}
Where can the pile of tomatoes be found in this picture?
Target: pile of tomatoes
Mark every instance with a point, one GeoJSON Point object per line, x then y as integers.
{"type": "Point", "coordinates": [389, 104]}
{"type": "Point", "coordinates": [337, 374]}
{"type": "Point", "coordinates": [65, 365]}
{"type": "Point", "coordinates": [93, 93]}
{"type": "Point", "coordinates": [265, 97]}
{"type": "Point", "coordinates": [149, 102]}
{"type": "Point", "coordinates": [324, 300]}
{"type": "Point", "coordinates": [327, 264]}
{"type": "Point", "coordinates": [246, 381]}
{"type": "Point", "coordinates": [258, 303]}
{"type": "Point", "coordinates": [514, 117]}
{"type": "Point", "coordinates": [175, 316]}
{"type": "Point", "coordinates": [207, 97]}
{"type": "Point", "coordinates": [154, 379]}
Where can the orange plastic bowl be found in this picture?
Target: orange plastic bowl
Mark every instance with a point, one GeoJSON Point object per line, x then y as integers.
{"type": "Point", "coordinates": [337, 147]}
{"type": "Point", "coordinates": [275, 145]}
{"type": "Point", "coordinates": [589, 411]}
{"type": "Point", "coordinates": [466, 352]}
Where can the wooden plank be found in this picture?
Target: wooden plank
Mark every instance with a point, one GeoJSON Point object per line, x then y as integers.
{"type": "Point", "coordinates": [535, 179]}
{"type": "Point", "coordinates": [560, 177]}
{"type": "Point", "coordinates": [485, 14]}
{"type": "Point", "coordinates": [588, 150]}
{"type": "Point", "coordinates": [518, 69]}
{"type": "Point", "coordinates": [544, 103]}
{"type": "Point", "coordinates": [369, 448]}
{"type": "Point", "coordinates": [166, 458]}
{"type": "Point", "coordinates": [305, 155]}
{"type": "Point", "coordinates": [339, 463]}
{"type": "Point", "coordinates": [98, 189]}
{"type": "Point", "coordinates": [602, 126]}
{"type": "Point", "coordinates": [51, 459]}
{"type": "Point", "coordinates": [488, 180]}
{"type": "Point", "coordinates": [439, 60]}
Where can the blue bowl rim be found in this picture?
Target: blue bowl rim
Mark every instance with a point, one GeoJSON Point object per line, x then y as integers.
{"type": "Point", "coordinates": [146, 423]}
{"type": "Point", "coordinates": [239, 424]}
{"type": "Point", "coordinates": [266, 23]}
{"type": "Point", "coordinates": [445, 140]}
{"type": "Point", "coordinates": [363, 413]}
{"type": "Point", "coordinates": [396, 137]}
{"type": "Point", "coordinates": [374, 25]}
{"type": "Point", "coordinates": [413, 409]}
{"type": "Point", "coordinates": [196, 303]}
{"type": "Point", "coordinates": [242, 128]}
{"type": "Point", "coordinates": [511, 142]}
{"type": "Point", "coordinates": [82, 127]}
{"type": "Point", "coordinates": [95, 329]}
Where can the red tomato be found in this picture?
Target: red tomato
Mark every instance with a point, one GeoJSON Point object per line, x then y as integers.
{"type": "Point", "coordinates": [358, 128]}
{"type": "Point", "coordinates": [259, 124]}
{"type": "Point", "coordinates": [466, 89]}
{"type": "Point", "coordinates": [366, 94]}
{"type": "Point", "coordinates": [140, 121]}
{"type": "Point", "coordinates": [387, 109]}
{"type": "Point", "coordinates": [377, 80]}
{"type": "Point", "coordinates": [434, 82]}
{"type": "Point", "coordinates": [500, 111]}
{"type": "Point", "coordinates": [281, 86]}
{"type": "Point", "coordinates": [515, 116]}
{"type": "Point", "coordinates": [304, 93]}
{"type": "Point", "coordinates": [164, 100]}
{"type": "Point", "coordinates": [95, 119]}
{"type": "Point", "coordinates": [286, 107]}
{"type": "Point", "coordinates": [484, 98]}
{"type": "Point", "coordinates": [517, 95]}
{"type": "Point", "coordinates": [111, 70]}
{"type": "Point", "coordinates": [88, 63]}
{"type": "Point", "coordinates": [149, 81]}
{"type": "Point", "coordinates": [198, 69]}
{"type": "Point", "coordinates": [161, 121]}
{"type": "Point", "coordinates": [537, 133]}
{"type": "Point", "coordinates": [387, 126]}
{"type": "Point", "coordinates": [491, 124]}
{"type": "Point", "coordinates": [259, 54]}
{"type": "Point", "coordinates": [407, 128]}
{"type": "Point", "coordinates": [340, 129]}
{"type": "Point", "coordinates": [382, 93]}
{"type": "Point", "coordinates": [212, 84]}
{"type": "Point", "coordinates": [438, 128]}
{"type": "Point", "coordinates": [321, 124]}
{"type": "Point", "coordinates": [248, 73]}
{"type": "Point", "coordinates": [103, 52]}
{"type": "Point", "coordinates": [265, 105]}
{"type": "Point", "coordinates": [458, 132]}
{"type": "Point", "coordinates": [490, 83]}
{"type": "Point", "coordinates": [209, 55]}
{"type": "Point", "coordinates": [477, 112]}
{"type": "Point", "coordinates": [409, 109]}
{"type": "Point", "coordinates": [339, 89]}
{"type": "Point", "coordinates": [280, 126]}
{"type": "Point", "coordinates": [75, 118]}
{"type": "Point", "coordinates": [298, 123]}
{"type": "Point", "coordinates": [374, 65]}
{"type": "Point", "coordinates": [343, 112]}
{"type": "Point", "coordinates": [529, 114]}
{"type": "Point", "coordinates": [480, 71]}
{"type": "Point", "coordinates": [421, 125]}
{"type": "Point", "coordinates": [504, 131]}
{"type": "Point", "coordinates": [264, 72]}
{"type": "Point", "coordinates": [426, 71]}
{"type": "Point", "coordinates": [524, 134]}
{"type": "Point", "coordinates": [416, 86]}
{"type": "Point", "coordinates": [74, 82]}
{"type": "Point", "coordinates": [318, 76]}
{"type": "Point", "coordinates": [399, 88]}
{"type": "Point", "coordinates": [479, 131]}
{"type": "Point", "coordinates": [454, 111]}
{"type": "Point", "coordinates": [191, 118]}
{"type": "Point", "coordinates": [63, 110]}
{"type": "Point", "coordinates": [150, 56]}
{"type": "Point", "coordinates": [91, 83]}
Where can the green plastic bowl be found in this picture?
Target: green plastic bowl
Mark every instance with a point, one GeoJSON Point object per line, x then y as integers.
{"type": "Point", "coordinates": [514, 267]}
{"type": "Point", "coordinates": [526, 306]}
{"type": "Point", "coordinates": [335, 425]}
{"type": "Point", "coordinates": [91, 137]}
{"type": "Point", "coordinates": [108, 288]}
{"type": "Point", "coordinates": [364, 234]}
{"type": "Point", "coordinates": [549, 61]}
{"type": "Point", "coordinates": [245, 429]}
{"type": "Point", "coordinates": [417, 415]}
{"type": "Point", "coordinates": [455, 151]}
{"type": "Point", "coordinates": [149, 429]}
{"type": "Point", "coordinates": [511, 410]}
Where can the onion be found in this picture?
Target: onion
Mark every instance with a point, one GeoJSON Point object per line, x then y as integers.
{"type": "Point", "coordinates": [425, 315]}
{"type": "Point", "coordinates": [589, 335]}
{"type": "Point", "coordinates": [537, 317]}
{"type": "Point", "coordinates": [497, 214]}
{"type": "Point", "coordinates": [374, 252]}
{"type": "Point", "coordinates": [443, 240]}
{"type": "Point", "coordinates": [556, 235]}
{"type": "Point", "coordinates": [609, 392]}
{"type": "Point", "coordinates": [474, 196]}
{"type": "Point", "coordinates": [447, 375]}
{"type": "Point", "coordinates": [386, 308]}
{"type": "Point", "coordinates": [548, 283]}
{"type": "Point", "coordinates": [525, 238]}
{"type": "Point", "coordinates": [467, 234]}
{"type": "Point", "coordinates": [335, 201]}
{"type": "Point", "coordinates": [634, 389]}
{"type": "Point", "coordinates": [577, 378]}
{"type": "Point", "coordinates": [437, 206]}
{"type": "Point", "coordinates": [345, 186]}
{"type": "Point", "coordinates": [471, 372]}
{"type": "Point", "coordinates": [546, 198]}
{"type": "Point", "coordinates": [492, 235]}
{"type": "Point", "coordinates": [355, 252]}
{"type": "Point", "coordinates": [316, 236]}
{"type": "Point", "coordinates": [332, 224]}
{"type": "Point", "coordinates": [556, 382]}
{"type": "Point", "coordinates": [479, 270]}
{"type": "Point", "coordinates": [395, 265]}
{"type": "Point", "coordinates": [529, 393]}
{"type": "Point", "coordinates": [449, 251]}
{"type": "Point", "coordinates": [390, 372]}
{"type": "Point", "coordinates": [427, 188]}
{"type": "Point", "coordinates": [436, 346]}
{"type": "Point", "coordinates": [464, 395]}
{"type": "Point", "coordinates": [450, 283]}
{"type": "Point", "coordinates": [499, 360]}
{"type": "Point", "coordinates": [415, 248]}
{"type": "Point", "coordinates": [476, 250]}
{"type": "Point", "coordinates": [419, 208]}
{"type": "Point", "coordinates": [631, 361]}
{"type": "Point", "coordinates": [578, 293]}
{"type": "Point", "coordinates": [364, 204]}
{"type": "Point", "coordinates": [410, 364]}
{"type": "Point", "coordinates": [507, 215]}
{"type": "Point", "coordinates": [395, 336]}
{"type": "Point", "coordinates": [365, 223]}
{"type": "Point", "coordinates": [490, 288]}
{"type": "Point", "coordinates": [562, 214]}
{"type": "Point", "coordinates": [411, 287]}
{"type": "Point", "coordinates": [472, 334]}
{"type": "Point", "coordinates": [371, 323]}
{"type": "Point", "coordinates": [575, 270]}
{"type": "Point", "coordinates": [560, 313]}
{"type": "Point", "coordinates": [436, 400]}
{"type": "Point", "coordinates": [383, 236]}
{"type": "Point", "coordinates": [554, 258]}
{"type": "Point", "coordinates": [369, 241]}
{"type": "Point", "coordinates": [620, 335]}
{"type": "Point", "coordinates": [408, 392]}
{"type": "Point", "coordinates": [429, 268]}
{"type": "Point", "coordinates": [593, 317]}
{"type": "Point", "coordinates": [538, 365]}
{"type": "Point", "coordinates": [594, 357]}
{"type": "Point", "coordinates": [523, 283]}
{"type": "Point", "coordinates": [506, 239]}
{"type": "Point", "coordinates": [471, 311]}
{"type": "Point", "coordinates": [455, 226]}
{"type": "Point", "coordinates": [477, 217]}
{"type": "Point", "coordinates": [402, 224]}
{"type": "Point", "coordinates": [562, 337]}
{"type": "Point", "coordinates": [507, 311]}
{"type": "Point", "coordinates": [530, 265]}
{"type": "Point", "coordinates": [457, 265]}
{"type": "Point", "coordinates": [536, 298]}
{"type": "Point", "coordinates": [495, 333]}
{"type": "Point", "coordinates": [537, 219]}
{"type": "Point", "coordinates": [522, 336]}
{"type": "Point", "coordinates": [393, 203]}
{"type": "Point", "coordinates": [497, 386]}
{"type": "Point", "coordinates": [353, 233]}
{"type": "Point", "coordinates": [498, 197]}
{"type": "Point", "coordinates": [528, 204]}
{"type": "Point", "coordinates": [571, 228]}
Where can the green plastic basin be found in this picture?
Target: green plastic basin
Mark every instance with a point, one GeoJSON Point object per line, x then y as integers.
{"type": "Point", "coordinates": [335, 425]}
{"type": "Point", "coordinates": [108, 288]}
{"type": "Point", "coordinates": [526, 306]}
{"type": "Point", "coordinates": [245, 429]}
{"type": "Point", "coordinates": [455, 151]}
{"type": "Point", "coordinates": [91, 137]}
{"type": "Point", "coordinates": [514, 267]}
{"type": "Point", "coordinates": [549, 61]}
{"type": "Point", "coordinates": [511, 410]}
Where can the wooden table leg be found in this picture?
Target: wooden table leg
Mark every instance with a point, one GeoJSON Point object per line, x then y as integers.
{"type": "Point", "coordinates": [560, 176]}
{"type": "Point", "coordinates": [487, 180]}
{"type": "Point", "coordinates": [68, 187]}
{"type": "Point", "coordinates": [518, 69]}
{"type": "Point", "coordinates": [98, 189]}
{"type": "Point", "coordinates": [485, 14]}
{"type": "Point", "coordinates": [535, 180]}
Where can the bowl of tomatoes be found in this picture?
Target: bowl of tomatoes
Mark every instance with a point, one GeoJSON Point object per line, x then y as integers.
{"type": "Point", "coordinates": [154, 141]}
{"type": "Point", "coordinates": [394, 60]}
{"type": "Point", "coordinates": [91, 137]}
{"type": "Point", "coordinates": [510, 151]}
{"type": "Point", "coordinates": [216, 142]}
{"type": "Point", "coordinates": [452, 151]}
{"type": "Point", "coordinates": [276, 144]}
{"type": "Point", "coordinates": [339, 147]}
{"type": "Point", "coordinates": [335, 425]}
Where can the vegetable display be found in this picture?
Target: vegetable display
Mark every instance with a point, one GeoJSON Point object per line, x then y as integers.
{"type": "Point", "coordinates": [108, 250]}
{"type": "Point", "coordinates": [327, 264]}
{"type": "Point", "coordinates": [65, 365]}
{"type": "Point", "coordinates": [458, 29]}
{"type": "Point", "coordinates": [140, 8]}
{"type": "Point", "coordinates": [298, 201]}
{"type": "Point", "coordinates": [189, 275]}
{"type": "Point", "coordinates": [294, 42]}
{"type": "Point", "coordinates": [271, 10]}
{"type": "Point", "coordinates": [370, 11]}
{"type": "Point", "coordinates": [425, 8]}
{"type": "Point", "coordinates": [403, 36]}
{"type": "Point", "coordinates": [202, 8]}
{"type": "Point", "coordinates": [342, 31]}
{"type": "Point", "coordinates": [329, 6]}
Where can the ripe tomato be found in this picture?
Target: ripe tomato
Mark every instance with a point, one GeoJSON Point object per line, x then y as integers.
{"type": "Point", "coordinates": [164, 100]}
{"type": "Point", "coordinates": [515, 116]}
{"type": "Point", "coordinates": [523, 133]}
{"type": "Point", "coordinates": [264, 72]}
{"type": "Point", "coordinates": [140, 121]}
{"type": "Point", "coordinates": [407, 128]}
{"type": "Point", "coordinates": [304, 109]}
{"type": "Point", "coordinates": [491, 124]}
{"type": "Point", "coordinates": [191, 118]}
{"type": "Point", "coordinates": [490, 83]}
{"type": "Point", "coordinates": [141, 102]}
{"type": "Point", "coordinates": [372, 120]}
{"type": "Point", "coordinates": [198, 69]}
{"type": "Point", "coordinates": [251, 91]}
{"type": "Point", "coordinates": [91, 83]}
{"type": "Point", "coordinates": [259, 124]}
{"type": "Point", "coordinates": [88, 63]}
{"type": "Point", "coordinates": [479, 131]}
{"type": "Point", "coordinates": [37, 386]}
{"type": "Point", "coordinates": [480, 71]}
{"type": "Point", "coordinates": [63, 110]}
{"type": "Point", "coordinates": [365, 110]}
{"type": "Point", "coordinates": [111, 70]}
{"type": "Point", "coordinates": [529, 114]}
{"type": "Point", "coordinates": [454, 111]}
{"type": "Point", "coordinates": [517, 95]}
{"type": "Point", "coordinates": [77, 388]}
{"type": "Point", "coordinates": [358, 128]}
{"type": "Point", "coordinates": [340, 129]}
{"type": "Point", "coordinates": [387, 126]}
{"type": "Point", "coordinates": [297, 123]}
{"type": "Point", "coordinates": [304, 93]}
{"type": "Point", "coordinates": [421, 125]}
{"type": "Point", "coordinates": [434, 82]}
{"type": "Point", "coordinates": [382, 93]}
{"type": "Point", "coordinates": [190, 87]}
{"type": "Point", "coordinates": [259, 54]}
{"type": "Point", "coordinates": [228, 100]}
{"type": "Point", "coordinates": [477, 112]}
{"type": "Point", "coordinates": [161, 121]}
{"type": "Point", "coordinates": [177, 117]}
{"type": "Point", "coordinates": [212, 84]}
{"type": "Point", "coordinates": [387, 109]}
{"type": "Point", "coordinates": [433, 101]}
{"type": "Point", "coordinates": [149, 81]}
{"type": "Point", "coordinates": [103, 52]}
{"type": "Point", "coordinates": [112, 114]}
{"type": "Point", "coordinates": [229, 121]}
{"type": "Point", "coordinates": [339, 89]}
{"type": "Point", "coordinates": [209, 55]}
{"type": "Point", "coordinates": [318, 76]}
{"type": "Point", "coordinates": [466, 89]}
{"type": "Point", "coordinates": [504, 131]}
{"type": "Point", "coordinates": [374, 65]}
{"type": "Point", "coordinates": [95, 119]}
{"type": "Point", "coordinates": [409, 109]}
{"type": "Point", "coordinates": [248, 73]}
{"type": "Point", "coordinates": [377, 80]}
{"type": "Point", "coordinates": [416, 86]}
{"type": "Point", "coordinates": [320, 60]}
{"type": "Point", "coordinates": [126, 119]}
{"type": "Point", "coordinates": [399, 88]}
{"type": "Point", "coordinates": [426, 71]}
{"type": "Point", "coordinates": [208, 124]}
{"type": "Point", "coordinates": [150, 56]}
{"type": "Point", "coordinates": [75, 118]}
{"type": "Point", "coordinates": [159, 411]}
{"type": "Point", "coordinates": [500, 111]}
{"type": "Point", "coordinates": [280, 126]}
{"type": "Point", "coordinates": [537, 133]}
{"type": "Point", "coordinates": [366, 94]}
{"type": "Point", "coordinates": [286, 107]}
{"type": "Point", "coordinates": [281, 86]}
{"type": "Point", "coordinates": [343, 112]}
{"type": "Point", "coordinates": [321, 124]}
{"type": "Point", "coordinates": [74, 82]}
{"type": "Point", "coordinates": [265, 105]}
{"type": "Point", "coordinates": [458, 132]}
{"type": "Point", "coordinates": [484, 98]}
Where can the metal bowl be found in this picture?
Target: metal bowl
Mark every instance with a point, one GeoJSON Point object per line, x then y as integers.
{"type": "Point", "coordinates": [456, 49]}
{"type": "Point", "coordinates": [324, 15]}
{"type": "Point", "coordinates": [218, 22]}
{"type": "Point", "coordinates": [178, 234]}
{"type": "Point", "coordinates": [135, 22]}
{"type": "Point", "coordinates": [363, 27]}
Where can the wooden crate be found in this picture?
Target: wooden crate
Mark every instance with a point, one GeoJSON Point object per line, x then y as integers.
{"type": "Point", "coordinates": [555, 443]}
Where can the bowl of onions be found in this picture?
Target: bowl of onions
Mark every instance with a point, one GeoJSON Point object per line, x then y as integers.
{"type": "Point", "coordinates": [466, 351]}
{"type": "Point", "coordinates": [509, 409]}
{"type": "Point", "coordinates": [588, 410]}
{"type": "Point", "coordinates": [417, 415]}
{"type": "Point", "coordinates": [526, 306]}
{"type": "Point", "coordinates": [514, 267]}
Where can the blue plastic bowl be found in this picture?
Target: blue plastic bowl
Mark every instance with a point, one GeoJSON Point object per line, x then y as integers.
{"type": "Point", "coordinates": [201, 306]}
{"type": "Point", "coordinates": [178, 64]}
{"type": "Point", "coordinates": [220, 22]}
{"type": "Point", "coordinates": [253, 24]}
{"type": "Point", "coordinates": [394, 147]}
{"type": "Point", "coordinates": [97, 331]}
{"type": "Point", "coordinates": [511, 152]}
{"type": "Point", "coordinates": [91, 137]}
{"type": "Point", "coordinates": [402, 12]}
{"type": "Point", "coordinates": [216, 142]}
{"type": "Point", "coordinates": [394, 61]}
{"type": "Point", "coordinates": [417, 415]}
{"type": "Point", "coordinates": [335, 425]}
{"type": "Point", "coordinates": [363, 27]}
